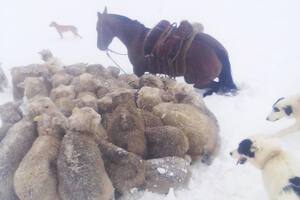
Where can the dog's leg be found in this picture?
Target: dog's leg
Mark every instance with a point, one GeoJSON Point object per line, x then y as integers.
{"type": "Point", "coordinates": [287, 131]}
{"type": "Point", "coordinates": [76, 34]}
{"type": "Point", "coordinates": [61, 35]}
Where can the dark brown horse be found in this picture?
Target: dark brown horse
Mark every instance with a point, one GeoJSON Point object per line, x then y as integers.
{"type": "Point", "coordinates": [205, 60]}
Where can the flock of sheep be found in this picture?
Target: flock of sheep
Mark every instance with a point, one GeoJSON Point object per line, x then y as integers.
{"type": "Point", "coordinates": [88, 132]}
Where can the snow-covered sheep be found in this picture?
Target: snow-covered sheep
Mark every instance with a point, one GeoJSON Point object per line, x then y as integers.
{"type": "Point", "coordinates": [3, 79]}
{"type": "Point", "coordinates": [126, 129]}
{"type": "Point", "coordinates": [85, 83]}
{"type": "Point", "coordinates": [113, 71]}
{"type": "Point", "coordinates": [119, 96]}
{"type": "Point", "coordinates": [81, 170]}
{"type": "Point", "coordinates": [75, 69]}
{"type": "Point", "coordinates": [148, 97]}
{"type": "Point", "coordinates": [151, 80]}
{"type": "Point", "coordinates": [151, 120]}
{"type": "Point", "coordinates": [10, 113]}
{"type": "Point", "coordinates": [200, 128]}
{"type": "Point", "coordinates": [53, 63]}
{"type": "Point", "coordinates": [20, 73]}
{"type": "Point", "coordinates": [13, 148]}
{"type": "Point", "coordinates": [61, 78]}
{"type": "Point", "coordinates": [131, 79]}
{"type": "Point", "coordinates": [86, 99]}
{"type": "Point", "coordinates": [164, 141]}
{"type": "Point", "coordinates": [38, 106]}
{"type": "Point", "coordinates": [63, 96]}
{"type": "Point", "coordinates": [126, 170]}
{"type": "Point", "coordinates": [87, 121]}
{"type": "Point", "coordinates": [36, 177]}
{"type": "Point", "coordinates": [35, 86]}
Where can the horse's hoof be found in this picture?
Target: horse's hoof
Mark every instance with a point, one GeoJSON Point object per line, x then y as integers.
{"type": "Point", "coordinates": [228, 91]}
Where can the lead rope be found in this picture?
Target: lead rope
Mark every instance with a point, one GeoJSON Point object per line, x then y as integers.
{"type": "Point", "coordinates": [108, 55]}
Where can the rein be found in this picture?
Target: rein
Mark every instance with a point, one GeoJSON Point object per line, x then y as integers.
{"type": "Point", "coordinates": [108, 55]}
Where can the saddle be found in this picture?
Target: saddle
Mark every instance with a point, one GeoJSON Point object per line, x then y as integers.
{"type": "Point", "coordinates": [164, 46]}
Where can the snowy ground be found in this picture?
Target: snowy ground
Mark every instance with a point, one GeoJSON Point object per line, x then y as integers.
{"type": "Point", "coordinates": [261, 36]}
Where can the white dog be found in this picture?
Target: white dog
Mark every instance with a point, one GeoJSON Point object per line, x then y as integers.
{"type": "Point", "coordinates": [280, 171]}
{"type": "Point", "coordinates": [286, 107]}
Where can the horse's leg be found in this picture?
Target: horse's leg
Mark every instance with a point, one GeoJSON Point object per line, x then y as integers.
{"type": "Point", "coordinates": [226, 83]}
{"type": "Point", "coordinates": [212, 87]}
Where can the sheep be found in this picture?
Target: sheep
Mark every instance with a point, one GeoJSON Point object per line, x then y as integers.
{"type": "Point", "coordinates": [79, 161]}
{"type": "Point", "coordinates": [200, 129]}
{"type": "Point", "coordinates": [126, 129]}
{"type": "Point", "coordinates": [61, 78]}
{"type": "Point", "coordinates": [35, 86]}
{"type": "Point", "coordinates": [164, 141]}
{"type": "Point", "coordinates": [126, 170]}
{"type": "Point", "coordinates": [53, 63]}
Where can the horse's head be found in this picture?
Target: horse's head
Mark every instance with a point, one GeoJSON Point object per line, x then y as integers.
{"type": "Point", "coordinates": [105, 34]}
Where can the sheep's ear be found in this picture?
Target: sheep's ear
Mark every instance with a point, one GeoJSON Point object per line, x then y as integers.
{"type": "Point", "coordinates": [105, 11]}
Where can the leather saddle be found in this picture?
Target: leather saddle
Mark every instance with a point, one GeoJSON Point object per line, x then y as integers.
{"type": "Point", "coordinates": [164, 43]}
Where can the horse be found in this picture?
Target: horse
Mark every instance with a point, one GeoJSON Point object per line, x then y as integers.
{"type": "Point", "coordinates": [206, 59]}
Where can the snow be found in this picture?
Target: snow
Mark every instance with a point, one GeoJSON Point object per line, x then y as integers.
{"type": "Point", "coordinates": [261, 36]}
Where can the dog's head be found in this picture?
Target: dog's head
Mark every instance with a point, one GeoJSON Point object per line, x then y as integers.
{"type": "Point", "coordinates": [283, 107]}
{"type": "Point", "coordinates": [257, 150]}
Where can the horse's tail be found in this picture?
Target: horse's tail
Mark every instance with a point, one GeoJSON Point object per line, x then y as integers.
{"type": "Point", "coordinates": [225, 78]}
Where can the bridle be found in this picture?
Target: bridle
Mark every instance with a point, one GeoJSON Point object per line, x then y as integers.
{"type": "Point", "coordinates": [109, 56]}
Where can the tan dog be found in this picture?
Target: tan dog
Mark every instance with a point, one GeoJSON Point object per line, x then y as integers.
{"type": "Point", "coordinates": [65, 28]}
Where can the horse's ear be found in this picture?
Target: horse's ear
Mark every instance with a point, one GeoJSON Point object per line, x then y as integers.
{"type": "Point", "coordinates": [105, 10]}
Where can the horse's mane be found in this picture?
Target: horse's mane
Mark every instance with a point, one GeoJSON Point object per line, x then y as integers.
{"type": "Point", "coordinates": [128, 20]}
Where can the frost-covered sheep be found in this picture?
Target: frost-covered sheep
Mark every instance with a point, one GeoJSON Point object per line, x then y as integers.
{"type": "Point", "coordinates": [53, 63]}
{"type": "Point", "coordinates": [131, 79]}
{"type": "Point", "coordinates": [151, 80]}
{"type": "Point", "coordinates": [97, 70]}
{"type": "Point", "coordinates": [75, 69]}
{"type": "Point", "coordinates": [81, 170]}
{"type": "Point", "coordinates": [38, 106]}
{"type": "Point", "coordinates": [184, 93]}
{"type": "Point", "coordinates": [151, 120]}
{"type": "Point", "coordinates": [20, 73]}
{"type": "Point", "coordinates": [200, 128]}
{"type": "Point", "coordinates": [148, 97]}
{"type": "Point", "coordinates": [13, 148]}
{"type": "Point", "coordinates": [63, 96]}
{"type": "Point", "coordinates": [10, 113]}
{"type": "Point", "coordinates": [61, 78]}
{"type": "Point", "coordinates": [86, 99]}
{"type": "Point", "coordinates": [126, 129]}
{"type": "Point", "coordinates": [35, 86]}
{"type": "Point", "coordinates": [119, 96]}
{"type": "Point", "coordinates": [36, 177]}
{"type": "Point", "coordinates": [85, 83]}
{"type": "Point", "coordinates": [126, 170]}
{"type": "Point", "coordinates": [164, 141]}
{"type": "Point", "coordinates": [3, 79]}
{"type": "Point", "coordinates": [87, 121]}
{"type": "Point", "coordinates": [113, 71]}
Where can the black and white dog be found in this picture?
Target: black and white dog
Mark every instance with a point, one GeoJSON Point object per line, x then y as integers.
{"type": "Point", "coordinates": [280, 171]}
{"type": "Point", "coordinates": [286, 107]}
